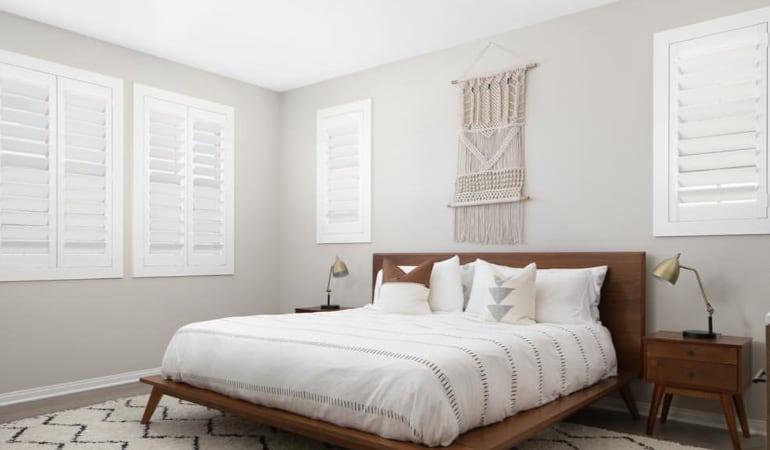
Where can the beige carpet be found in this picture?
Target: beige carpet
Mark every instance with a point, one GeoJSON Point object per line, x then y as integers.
{"type": "Point", "coordinates": [182, 425]}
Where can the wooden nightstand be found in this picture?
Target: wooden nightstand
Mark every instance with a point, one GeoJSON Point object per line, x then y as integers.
{"type": "Point", "coordinates": [315, 309]}
{"type": "Point", "coordinates": [716, 369]}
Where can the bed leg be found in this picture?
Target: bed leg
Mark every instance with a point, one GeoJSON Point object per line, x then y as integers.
{"type": "Point", "coordinates": [152, 403]}
{"type": "Point", "coordinates": [628, 397]}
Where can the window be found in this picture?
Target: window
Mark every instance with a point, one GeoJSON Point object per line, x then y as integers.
{"type": "Point", "coordinates": [343, 173]}
{"type": "Point", "coordinates": [710, 129]}
{"type": "Point", "coordinates": [183, 185]}
{"type": "Point", "coordinates": [61, 165]}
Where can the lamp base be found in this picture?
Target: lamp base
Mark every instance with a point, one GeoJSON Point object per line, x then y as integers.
{"type": "Point", "coordinates": [699, 334]}
{"type": "Point", "coordinates": [330, 307]}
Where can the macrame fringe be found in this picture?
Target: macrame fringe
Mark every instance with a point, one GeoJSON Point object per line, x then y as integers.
{"type": "Point", "coordinates": [499, 223]}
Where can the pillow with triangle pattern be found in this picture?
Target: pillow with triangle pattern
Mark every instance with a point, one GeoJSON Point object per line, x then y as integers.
{"type": "Point", "coordinates": [506, 298]}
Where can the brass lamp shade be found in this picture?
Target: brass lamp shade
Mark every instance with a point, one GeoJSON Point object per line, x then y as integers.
{"type": "Point", "coordinates": [668, 270]}
{"type": "Point", "coordinates": [338, 269]}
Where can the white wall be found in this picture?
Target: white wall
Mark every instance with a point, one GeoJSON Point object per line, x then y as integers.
{"type": "Point", "coordinates": [59, 331]}
{"type": "Point", "coordinates": [589, 165]}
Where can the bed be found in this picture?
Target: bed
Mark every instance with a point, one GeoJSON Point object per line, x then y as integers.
{"type": "Point", "coordinates": [622, 312]}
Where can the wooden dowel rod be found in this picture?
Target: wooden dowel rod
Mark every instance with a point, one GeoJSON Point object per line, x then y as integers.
{"type": "Point", "coordinates": [487, 202]}
{"type": "Point", "coordinates": [529, 66]}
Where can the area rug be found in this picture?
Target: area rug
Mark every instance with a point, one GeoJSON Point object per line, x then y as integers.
{"type": "Point", "coordinates": [180, 425]}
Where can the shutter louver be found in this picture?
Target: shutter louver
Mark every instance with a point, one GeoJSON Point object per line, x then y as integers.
{"type": "Point", "coordinates": [27, 158]}
{"type": "Point", "coordinates": [343, 188]}
{"type": "Point", "coordinates": [208, 142]}
{"type": "Point", "coordinates": [718, 121]}
{"type": "Point", "coordinates": [85, 153]}
{"type": "Point", "coordinates": [343, 171]}
{"type": "Point", "coordinates": [166, 179]}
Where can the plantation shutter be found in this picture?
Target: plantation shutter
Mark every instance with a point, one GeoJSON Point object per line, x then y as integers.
{"type": "Point", "coordinates": [712, 178]}
{"type": "Point", "coordinates": [183, 154]}
{"type": "Point", "coordinates": [164, 182]}
{"type": "Point", "coordinates": [85, 211]}
{"type": "Point", "coordinates": [718, 126]}
{"type": "Point", "coordinates": [209, 140]}
{"type": "Point", "coordinates": [27, 178]}
{"type": "Point", "coordinates": [344, 173]}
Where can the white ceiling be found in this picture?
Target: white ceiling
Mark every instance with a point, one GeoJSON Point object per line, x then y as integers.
{"type": "Point", "coordinates": [284, 44]}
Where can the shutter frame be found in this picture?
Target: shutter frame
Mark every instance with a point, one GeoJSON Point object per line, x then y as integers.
{"type": "Point", "coordinates": [344, 133]}
{"type": "Point", "coordinates": [107, 268]}
{"type": "Point", "coordinates": [699, 149]}
{"type": "Point", "coordinates": [190, 264]}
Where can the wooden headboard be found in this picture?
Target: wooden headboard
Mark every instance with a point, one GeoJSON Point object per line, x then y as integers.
{"type": "Point", "coordinates": [622, 304]}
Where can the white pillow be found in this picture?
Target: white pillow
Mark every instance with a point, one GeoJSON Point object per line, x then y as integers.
{"type": "Point", "coordinates": [466, 278]}
{"type": "Point", "coordinates": [569, 295]}
{"type": "Point", "coordinates": [404, 298]}
{"type": "Point", "coordinates": [446, 289]}
{"type": "Point", "coordinates": [563, 295]}
{"type": "Point", "coordinates": [505, 297]}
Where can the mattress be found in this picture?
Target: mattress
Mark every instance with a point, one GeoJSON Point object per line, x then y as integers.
{"type": "Point", "coordinates": [424, 379]}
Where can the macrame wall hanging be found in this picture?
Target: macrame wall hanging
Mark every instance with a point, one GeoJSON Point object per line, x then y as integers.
{"type": "Point", "coordinates": [488, 200]}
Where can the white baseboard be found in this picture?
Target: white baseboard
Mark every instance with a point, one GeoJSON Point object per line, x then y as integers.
{"type": "Point", "coordinates": [682, 415]}
{"type": "Point", "coordinates": [73, 387]}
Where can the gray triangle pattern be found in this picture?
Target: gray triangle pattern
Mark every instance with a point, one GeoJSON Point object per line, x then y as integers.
{"type": "Point", "coordinates": [500, 293]}
{"type": "Point", "coordinates": [499, 311]}
{"type": "Point", "coordinates": [499, 281]}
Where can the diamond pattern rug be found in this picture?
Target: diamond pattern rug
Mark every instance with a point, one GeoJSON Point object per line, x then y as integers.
{"type": "Point", "coordinates": [180, 425]}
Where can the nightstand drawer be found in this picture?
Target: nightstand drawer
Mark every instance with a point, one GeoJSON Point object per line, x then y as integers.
{"type": "Point", "coordinates": [693, 374]}
{"type": "Point", "coordinates": [692, 352]}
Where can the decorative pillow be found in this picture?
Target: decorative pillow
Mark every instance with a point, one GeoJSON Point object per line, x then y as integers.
{"type": "Point", "coordinates": [446, 289]}
{"type": "Point", "coordinates": [405, 292]}
{"type": "Point", "coordinates": [391, 273]}
{"type": "Point", "coordinates": [504, 297]}
{"type": "Point", "coordinates": [562, 295]}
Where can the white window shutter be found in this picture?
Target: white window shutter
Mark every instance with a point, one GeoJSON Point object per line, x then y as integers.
{"type": "Point", "coordinates": [343, 173]}
{"type": "Point", "coordinates": [27, 178]}
{"type": "Point", "coordinates": [163, 176]}
{"type": "Point", "coordinates": [61, 171]}
{"type": "Point", "coordinates": [85, 198]}
{"type": "Point", "coordinates": [209, 227]}
{"type": "Point", "coordinates": [711, 127]}
{"type": "Point", "coordinates": [183, 191]}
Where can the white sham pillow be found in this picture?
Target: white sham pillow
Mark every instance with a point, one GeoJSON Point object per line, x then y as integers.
{"type": "Point", "coordinates": [446, 289]}
{"type": "Point", "coordinates": [569, 296]}
{"type": "Point", "coordinates": [505, 296]}
{"type": "Point", "coordinates": [404, 298]}
{"type": "Point", "coordinates": [566, 296]}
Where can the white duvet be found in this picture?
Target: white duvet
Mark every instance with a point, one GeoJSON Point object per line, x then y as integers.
{"type": "Point", "coordinates": [424, 379]}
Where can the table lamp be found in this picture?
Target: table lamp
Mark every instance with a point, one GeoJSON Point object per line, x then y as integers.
{"type": "Point", "coordinates": [338, 269]}
{"type": "Point", "coordinates": [668, 271]}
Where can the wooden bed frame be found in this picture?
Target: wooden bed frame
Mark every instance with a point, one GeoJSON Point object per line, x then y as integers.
{"type": "Point", "coordinates": [622, 312]}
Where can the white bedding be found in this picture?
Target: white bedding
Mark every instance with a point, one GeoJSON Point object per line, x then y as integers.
{"type": "Point", "coordinates": [424, 379]}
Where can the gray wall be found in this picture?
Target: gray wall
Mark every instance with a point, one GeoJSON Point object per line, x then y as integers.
{"type": "Point", "coordinates": [589, 163]}
{"type": "Point", "coordinates": [59, 331]}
